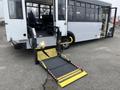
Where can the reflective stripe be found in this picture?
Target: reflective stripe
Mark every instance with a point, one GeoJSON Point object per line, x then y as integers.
{"type": "Point", "coordinates": [72, 79]}
{"type": "Point", "coordinates": [71, 75]}
{"type": "Point", "coordinates": [68, 74]}
{"type": "Point", "coordinates": [44, 65]}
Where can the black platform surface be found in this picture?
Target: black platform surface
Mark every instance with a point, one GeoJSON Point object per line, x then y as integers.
{"type": "Point", "coordinates": [59, 67]}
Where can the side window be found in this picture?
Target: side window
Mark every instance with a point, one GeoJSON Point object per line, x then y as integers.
{"type": "Point", "coordinates": [96, 13]}
{"type": "Point", "coordinates": [85, 12]}
{"type": "Point", "coordinates": [44, 10]}
{"type": "Point", "coordinates": [100, 13]}
{"type": "Point", "coordinates": [34, 8]}
{"type": "Point", "coordinates": [61, 9]}
{"type": "Point", "coordinates": [90, 12]}
{"type": "Point", "coordinates": [15, 9]}
{"type": "Point", "coordinates": [80, 11]}
{"type": "Point", "coordinates": [70, 13]}
{"type": "Point", "coordinates": [71, 9]}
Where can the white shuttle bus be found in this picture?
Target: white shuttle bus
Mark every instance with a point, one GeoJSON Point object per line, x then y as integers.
{"type": "Point", "coordinates": [78, 20]}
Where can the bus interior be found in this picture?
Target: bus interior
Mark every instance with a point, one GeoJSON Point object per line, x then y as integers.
{"type": "Point", "coordinates": [40, 16]}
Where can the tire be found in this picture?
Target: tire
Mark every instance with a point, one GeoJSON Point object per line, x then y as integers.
{"type": "Point", "coordinates": [111, 33]}
{"type": "Point", "coordinates": [69, 38]}
{"type": "Point", "coordinates": [18, 46]}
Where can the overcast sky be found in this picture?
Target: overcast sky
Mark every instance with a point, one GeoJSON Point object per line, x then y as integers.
{"type": "Point", "coordinates": [115, 3]}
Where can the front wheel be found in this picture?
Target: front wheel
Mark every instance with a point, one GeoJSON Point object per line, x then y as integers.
{"type": "Point", "coordinates": [67, 41]}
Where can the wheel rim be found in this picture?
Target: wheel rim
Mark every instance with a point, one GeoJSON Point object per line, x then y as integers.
{"type": "Point", "coordinates": [69, 40]}
{"type": "Point", "coordinates": [66, 45]}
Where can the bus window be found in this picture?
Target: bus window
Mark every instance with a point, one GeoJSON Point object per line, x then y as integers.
{"type": "Point", "coordinates": [71, 10]}
{"type": "Point", "coordinates": [90, 14]}
{"type": "Point", "coordinates": [61, 9]}
{"type": "Point", "coordinates": [70, 13]}
{"type": "Point", "coordinates": [100, 13]}
{"type": "Point", "coordinates": [44, 10]}
{"type": "Point", "coordinates": [71, 2]}
{"type": "Point", "coordinates": [80, 11]}
{"type": "Point", "coordinates": [96, 13]}
{"type": "Point", "coordinates": [15, 9]}
{"type": "Point", "coordinates": [78, 3]}
{"type": "Point", "coordinates": [34, 8]}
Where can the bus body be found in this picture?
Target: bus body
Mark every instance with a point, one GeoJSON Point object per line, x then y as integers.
{"type": "Point", "coordinates": [78, 20]}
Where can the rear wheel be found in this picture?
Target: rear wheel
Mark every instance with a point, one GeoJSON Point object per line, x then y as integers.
{"type": "Point", "coordinates": [67, 41]}
{"type": "Point", "coordinates": [111, 32]}
{"type": "Point", "coordinates": [19, 46]}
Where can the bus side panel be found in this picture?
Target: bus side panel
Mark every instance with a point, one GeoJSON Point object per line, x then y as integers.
{"type": "Point", "coordinates": [84, 31]}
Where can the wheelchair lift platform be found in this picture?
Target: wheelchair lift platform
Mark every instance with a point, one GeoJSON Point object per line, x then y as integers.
{"type": "Point", "coordinates": [59, 67]}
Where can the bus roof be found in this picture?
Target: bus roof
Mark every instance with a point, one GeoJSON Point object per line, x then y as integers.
{"type": "Point", "coordinates": [97, 2]}
{"type": "Point", "coordinates": [49, 2]}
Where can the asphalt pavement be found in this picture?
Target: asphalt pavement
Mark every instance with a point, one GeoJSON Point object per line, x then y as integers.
{"type": "Point", "coordinates": [100, 58]}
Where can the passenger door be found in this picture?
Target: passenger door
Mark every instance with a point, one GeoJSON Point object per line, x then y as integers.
{"type": "Point", "coordinates": [15, 20]}
{"type": "Point", "coordinates": [105, 21]}
{"type": "Point", "coordinates": [112, 23]}
{"type": "Point", "coordinates": [61, 15]}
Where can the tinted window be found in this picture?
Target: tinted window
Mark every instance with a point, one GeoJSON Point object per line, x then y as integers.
{"type": "Point", "coordinates": [78, 4]}
{"type": "Point", "coordinates": [71, 13]}
{"type": "Point", "coordinates": [61, 9]}
{"type": "Point", "coordinates": [72, 2]}
{"type": "Point", "coordinates": [15, 9]}
{"type": "Point", "coordinates": [90, 12]}
{"type": "Point", "coordinates": [87, 5]}
{"type": "Point", "coordinates": [82, 4]}
{"type": "Point", "coordinates": [44, 10]}
{"type": "Point", "coordinates": [80, 12]}
{"type": "Point", "coordinates": [100, 14]}
{"type": "Point", "coordinates": [96, 13]}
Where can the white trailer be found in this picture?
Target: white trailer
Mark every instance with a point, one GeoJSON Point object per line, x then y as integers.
{"type": "Point", "coordinates": [78, 20]}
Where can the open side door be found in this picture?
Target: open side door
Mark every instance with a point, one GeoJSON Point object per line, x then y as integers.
{"type": "Point", "coordinates": [15, 20]}
{"type": "Point", "coordinates": [61, 15]}
{"type": "Point", "coordinates": [114, 12]}
{"type": "Point", "coordinates": [108, 26]}
{"type": "Point", "coordinates": [105, 21]}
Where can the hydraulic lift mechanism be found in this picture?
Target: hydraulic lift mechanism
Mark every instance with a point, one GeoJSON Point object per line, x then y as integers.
{"type": "Point", "coordinates": [57, 65]}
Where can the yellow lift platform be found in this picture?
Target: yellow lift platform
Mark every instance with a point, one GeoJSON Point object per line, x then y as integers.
{"type": "Point", "coordinates": [58, 66]}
